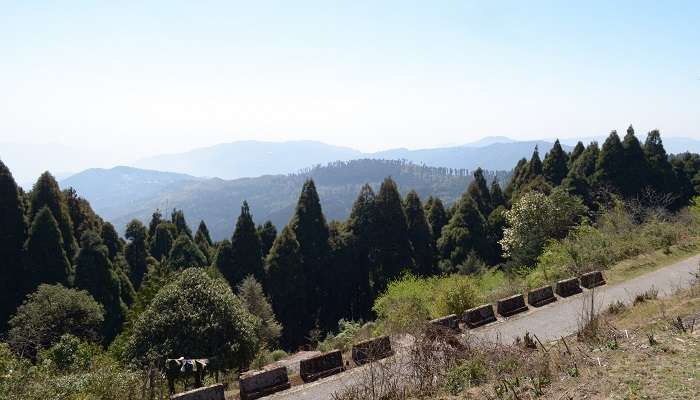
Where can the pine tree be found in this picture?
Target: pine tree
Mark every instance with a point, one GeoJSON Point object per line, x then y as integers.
{"type": "Point", "coordinates": [518, 178]}
{"type": "Point", "coordinates": [46, 256]}
{"type": "Point", "coordinates": [203, 241]}
{"type": "Point", "coordinates": [497, 197]}
{"type": "Point", "coordinates": [156, 219]}
{"type": "Point", "coordinates": [392, 245]}
{"type": "Point", "coordinates": [178, 219]}
{"type": "Point", "coordinates": [361, 240]}
{"type": "Point", "coordinates": [246, 251]}
{"type": "Point", "coordinates": [554, 167]}
{"type": "Point", "coordinates": [185, 254]}
{"type": "Point", "coordinates": [81, 213]}
{"type": "Point", "coordinates": [162, 241]}
{"type": "Point", "coordinates": [437, 218]}
{"type": "Point", "coordinates": [635, 168]}
{"type": "Point", "coordinates": [479, 192]}
{"type": "Point", "coordinates": [534, 166]}
{"type": "Point", "coordinates": [585, 164]}
{"type": "Point", "coordinates": [257, 303]}
{"type": "Point", "coordinates": [287, 287]}
{"type": "Point", "coordinates": [13, 234]}
{"type": "Point", "coordinates": [96, 274]}
{"type": "Point", "coordinates": [202, 234]}
{"type": "Point", "coordinates": [110, 238]}
{"type": "Point", "coordinates": [611, 163]}
{"type": "Point", "coordinates": [419, 235]}
{"type": "Point", "coordinates": [311, 231]}
{"type": "Point", "coordinates": [350, 295]}
{"type": "Point", "coordinates": [576, 153]}
{"type": "Point", "coordinates": [135, 252]}
{"type": "Point", "coordinates": [46, 193]}
{"type": "Point", "coordinates": [463, 234]}
{"type": "Point", "coordinates": [661, 177]}
{"type": "Point", "coordinates": [267, 234]}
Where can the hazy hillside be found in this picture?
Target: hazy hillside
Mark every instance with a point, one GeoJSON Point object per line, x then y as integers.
{"type": "Point", "coordinates": [123, 193]}
{"type": "Point", "coordinates": [249, 158]}
{"type": "Point", "coordinates": [252, 158]}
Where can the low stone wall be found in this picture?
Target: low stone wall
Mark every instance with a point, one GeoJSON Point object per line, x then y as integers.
{"type": "Point", "coordinates": [511, 305]}
{"type": "Point", "coordinates": [478, 316]}
{"type": "Point", "coordinates": [541, 296]}
{"type": "Point", "coordinates": [568, 287]}
{"type": "Point", "coordinates": [450, 322]}
{"type": "Point", "coordinates": [371, 350]}
{"type": "Point", "coordinates": [257, 384]}
{"type": "Point", "coordinates": [214, 392]}
{"type": "Point", "coordinates": [592, 279]}
{"type": "Point", "coordinates": [321, 366]}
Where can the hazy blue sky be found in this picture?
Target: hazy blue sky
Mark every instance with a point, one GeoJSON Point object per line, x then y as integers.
{"type": "Point", "coordinates": [166, 76]}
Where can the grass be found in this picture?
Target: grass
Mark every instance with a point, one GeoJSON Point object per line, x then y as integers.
{"type": "Point", "coordinates": [639, 265]}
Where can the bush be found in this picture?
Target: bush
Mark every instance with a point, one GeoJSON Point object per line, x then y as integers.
{"type": "Point", "coordinates": [49, 313]}
{"type": "Point", "coordinates": [465, 375]}
{"type": "Point", "coordinates": [195, 316]}
{"type": "Point", "coordinates": [410, 301]}
{"type": "Point", "coordinates": [69, 354]}
{"type": "Point", "coordinates": [454, 295]}
{"type": "Point", "coordinates": [405, 304]}
{"type": "Point", "coordinates": [349, 332]}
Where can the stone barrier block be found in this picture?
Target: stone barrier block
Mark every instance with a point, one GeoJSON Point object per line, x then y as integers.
{"type": "Point", "coordinates": [592, 279]}
{"type": "Point", "coordinates": [214, 392]}
{"type": "Point", "coordinates": [478, 316]}
{"type": "Point", "coordinates": [568, 287]}
{"type": "Point", "coordinates": [511, 305]}
{"type": "Point", "coordinates": [257, 384]}
{"type": "Point", "coordinates": [321, 366]}
{"type": "Point", "coordinates": [450, 322]}
{"type": "Point", "coordinates": [372, 350]}
{"type": "Point", "coordinates": [541, 296]}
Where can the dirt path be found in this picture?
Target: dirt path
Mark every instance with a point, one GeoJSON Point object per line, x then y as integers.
{"type": "Point", "coordinates": [550, 322]}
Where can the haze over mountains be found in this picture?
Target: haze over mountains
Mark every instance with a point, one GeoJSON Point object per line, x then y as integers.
{"type": "Point", "coordinates": [123, 193]}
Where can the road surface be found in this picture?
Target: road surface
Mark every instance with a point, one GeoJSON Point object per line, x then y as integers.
{"type": "Point", "coordinates": [550, 322]}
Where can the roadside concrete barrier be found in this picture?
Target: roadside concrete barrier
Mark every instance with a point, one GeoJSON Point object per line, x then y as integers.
{"type": "Point", "coordinates": [511, 305]}
{"type": "Point", "coordinates": [450, 322]}
{"type": "Point", "coordinates": [214, 392]}
{"type": "Point", "coordinates": [478, 316]}
{"type": "Point", "coordinates": [321, 366]}
{"type": "Point", "coordinates": [592, 279]}
{"type": "Point", "coordinates": [541, 296]}
{"type": "Point", "coordinates": [372, 350]}
{"type": "Point", "coordinates": [568, 287]}
{"type": "Point", "coordinates": [257, 384]}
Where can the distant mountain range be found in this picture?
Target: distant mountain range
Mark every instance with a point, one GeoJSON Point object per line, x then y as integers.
{"type": "Point", "coordinates": [123, 193]}
{"type": "Point", "coordinates": [252, 158]}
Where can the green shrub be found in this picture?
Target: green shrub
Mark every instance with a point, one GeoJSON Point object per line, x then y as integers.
{"type": "Point", "coordinates": [454, 295]}
{"type": "Point", "coordinates": [278, 355]}
{"type": "Point", "coordinates": [465, 375]}
{"type": "Point", "coordinates": [405, 304]}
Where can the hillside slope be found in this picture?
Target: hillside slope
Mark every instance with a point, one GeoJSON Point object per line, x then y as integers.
{"type": "Point", "coordinates": [123, 193]}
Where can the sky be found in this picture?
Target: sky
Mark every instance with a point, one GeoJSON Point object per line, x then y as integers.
{"type": "Point", "coordinates": [124, 80]}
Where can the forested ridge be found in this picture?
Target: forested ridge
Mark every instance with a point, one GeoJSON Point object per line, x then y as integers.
{"type": "Point", "coordinates": [142, 294]}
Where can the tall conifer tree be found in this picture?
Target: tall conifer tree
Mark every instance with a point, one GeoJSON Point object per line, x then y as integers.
{"type": "Point", "coordinates": [110, 238]}
{"type": "Point", "coordinates": [661, 177]}
{"type": "Point", "coordinates": [479, 191]}
{"type": "Point", "coordinates": [178, 219]}
{"type": "Point", "coordinates": [287, 283]}
{"type": "Point", "coordinates": [635, 168]}
{"type": "Point", "coordinates": [464, 233]}
{"type": "Point", "coordinates": [46, 193]}
{"type": "Point", "coordinates": [362, 239]}
{"type": "Point", "coordinates": [136, 252]}
{"type": "Point", "coordinates": [393, 247]}
{"type": "Point", "coordinates": [267, 233]}
{"type": "Point", "coordinates": [576, 153]}
{"type": "Point", "coordinates": [610, 166]}
{"type": "Point", "coordinates": [554, 167]}
{"type": "Point", "coordinates": [13, 234]}
{"type": "Point", "coordinates": [497, 197]}
{"type": "Point", "coordinates": [185, 254]}
{"type": "Point", "coordinates": [419, 235]}
{"type": "Point", "coordinates": [162, 241]}
{"type": "Point", "coordinates": [437, 218]}
{"type": "Point", "coordinates": [46, 255]}
{"type": "Point", "coordinates": [246, 250]}
{"type": "Point", "coordinates": [96, 274]}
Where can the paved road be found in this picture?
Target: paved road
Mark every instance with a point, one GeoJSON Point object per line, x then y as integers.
{"type": "Point", "coordinates": [548, 323]}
